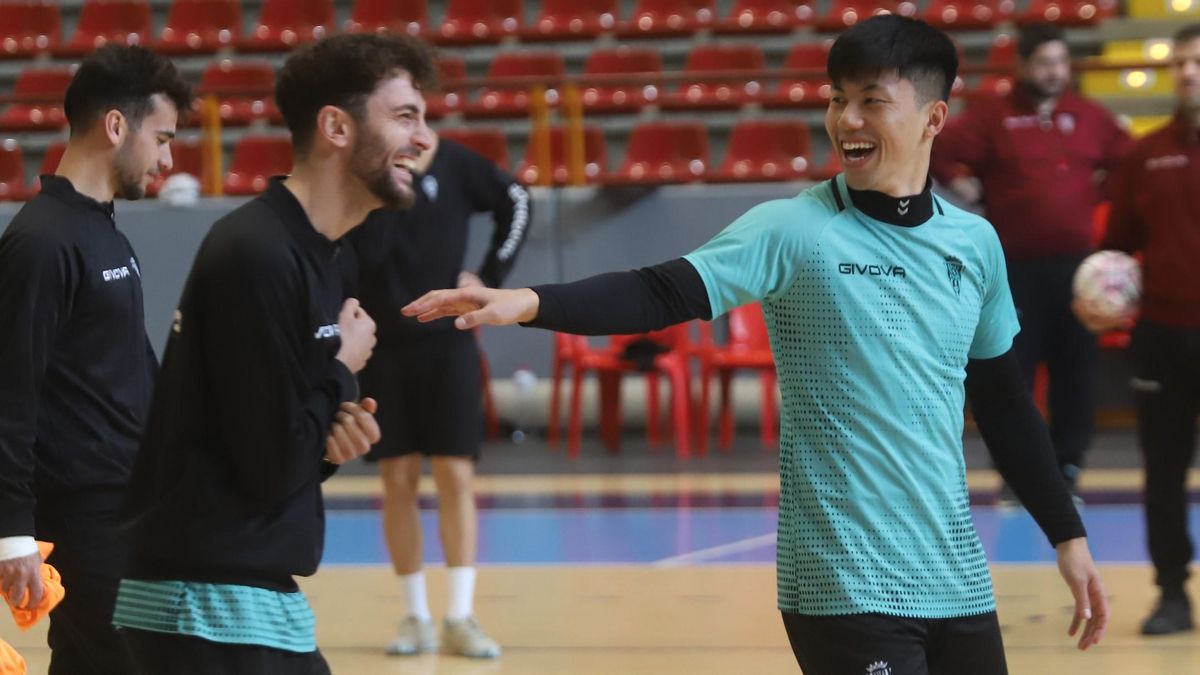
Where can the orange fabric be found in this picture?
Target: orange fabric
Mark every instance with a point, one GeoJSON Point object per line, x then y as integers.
{"type": "Point", "coordinates": [54, 593]}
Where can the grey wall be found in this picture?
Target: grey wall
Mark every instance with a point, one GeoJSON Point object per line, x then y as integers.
{"type": "Point", "coordinates": [576, 232]}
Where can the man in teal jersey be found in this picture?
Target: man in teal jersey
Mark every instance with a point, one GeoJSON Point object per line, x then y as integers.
{"type": "Point", "coordinates": [887, 308]}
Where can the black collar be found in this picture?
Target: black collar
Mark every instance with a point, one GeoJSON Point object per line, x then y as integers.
{"type": "Point", "coordinates": [62, 188]}
{"type": "Point", "coordinates": [909, 211]}
{"type": "Point", "coordinates": [283, 202]}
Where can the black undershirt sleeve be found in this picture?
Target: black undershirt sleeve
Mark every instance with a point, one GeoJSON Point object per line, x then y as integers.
{"type": "Point", "coordinates": [621, 303]}
{"type": "Point", "coordinates": [1019, 443]}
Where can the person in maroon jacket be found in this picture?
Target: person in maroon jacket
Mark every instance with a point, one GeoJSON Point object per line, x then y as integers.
{"type": "Point", "coordinates": [1035, 154]}
{"type": "Point", "coordinates": [1157, 212]}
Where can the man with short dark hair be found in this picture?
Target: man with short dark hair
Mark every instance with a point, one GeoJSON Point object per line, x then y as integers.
{"type": "Point", "coordinates": [1157, 212]}
{"type": "Point", "coordinates": [257, 400]}
{"type": "Point", "coordinates": [77, 366]}
{"type": "Point", "coordinates": [884, 303]}
{"type": "Point", "coordinates": [1037, 152]}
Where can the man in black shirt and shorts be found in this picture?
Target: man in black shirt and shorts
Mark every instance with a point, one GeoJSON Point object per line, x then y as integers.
{"type": "Point", "coordinates": [427, 376]}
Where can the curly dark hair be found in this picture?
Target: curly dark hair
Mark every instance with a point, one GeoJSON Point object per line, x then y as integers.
{"type": "Point", "coordinates": [124, 78]}
{"type": "Point", "coordinates": [342, 71]}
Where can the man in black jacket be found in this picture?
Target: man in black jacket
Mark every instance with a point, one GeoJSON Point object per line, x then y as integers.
{"type": "Point", "coordinates": [77, 368]}
{"type": "Point", "coordinates": [427, 376]}
{"type": "Point", "coordinates": [257, 401]}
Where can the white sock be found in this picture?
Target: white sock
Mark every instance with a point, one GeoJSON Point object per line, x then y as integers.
{"type": "Point", "coordinates": [462, 592]}
{"type": "Point", "coordinates": [413, 587]}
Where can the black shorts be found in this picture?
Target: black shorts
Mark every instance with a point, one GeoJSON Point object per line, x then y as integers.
{"type": "Point", "coordinates": [890, 645]}
{"type": "Point", "coordinates": [163, 653]}
{"type": "Point", "coordinates": [430, 394]}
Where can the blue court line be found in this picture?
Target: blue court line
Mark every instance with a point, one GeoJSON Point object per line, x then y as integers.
{"type": "Point", "coordinates": [646, 536]}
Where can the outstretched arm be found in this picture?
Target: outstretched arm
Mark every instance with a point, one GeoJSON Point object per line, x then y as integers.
{"type": "Point", "coordinates": [1020, 446]}
{"type": "Point", "coordinates": [615, 303]}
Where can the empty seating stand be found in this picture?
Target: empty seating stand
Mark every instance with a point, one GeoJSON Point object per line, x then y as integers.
{"type": "Point", "coordinates": [664, 152]}
{"type": "Point", "coordinates": [714, 94]}
{"type": "Point", "coordinates": [803, 92]}
{"type": "Point", "coordinates": [448, 98]}
{"type": "Point", "coordinates": [767, 16]}
{"type": "Point", "coordinates": [845, 13]}
{"type": "Point", "coordinates": [766, 150]}
{"type": "Point", "coordinates": [620, 97]}
{"type": "Point", "coordinates": [284, 24]}
{"type": "Point", "coordinates": [595, 158]}
{"type": "Point", "coordinates": [244, 91]}
{"type": "Point", "coordinates": [515, 102]}
{"type": "Point", "coordinates": [660, 18]}
{"type": "Point", "coordinates": [255, 159]}
{"type": "Point", "coordinates": [200, 27]}
{"type": "Point", "coordinates": [123, 22]}
{"type": "Point", "coordinates": [45, 87]}
{"type": "Point", "coordinates": [12, 172]}
{"type": "Point", "coordinates": [572, 20]}
{"type": "Point", "coordinates": [487, 141]}
{"type": "Point", "coordinates": [29, 28]}
{"type": "Point", "coordinates": [409, 17]}
{"type": "Point", "coordinates": [480, 22]}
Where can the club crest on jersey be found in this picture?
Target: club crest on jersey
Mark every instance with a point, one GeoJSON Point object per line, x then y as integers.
{"type": "Point", "coordinates": [325, 332]}
{"type": "Point", "coordinates": [954, 270]}
{"type": "Point", "coordinates": [879, 668]}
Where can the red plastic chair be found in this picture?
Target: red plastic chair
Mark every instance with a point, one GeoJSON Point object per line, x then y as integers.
{"type": "Point", "coordinates": [124, 22]}
{"type": "Point", "coordinates": [12, 172]}
{"type": "Point", "coordinates": [572, 20]}
{"type": "Point", "coordinates": [1003, 54]}
{"type": "Point", "coordinates": [661, 18]}
{"type": "Point", "coordinates": [515, 102]}
{"type": "Point", "coordinates": [719, 94]}
{"type": "Point", "coordinates": [1064, 12]}
{"type": "Point", "coordinates": [805, 92]}
{"type": "Point", "coordinates": [255, 159]}
{"type": "Point", "coordinates": [49, 85]}
{"type": "Point", "coordinates": [187, 156]}
{"type": "Point", "coordinates": [766, 150]}
{"type": "Point", "coordinates": [410, 17]}
{"type": "Point", "coordinates": [845, 13]}
{"type": "Point", "coordinates": [595, 157]}
{"type": "Point", "coordinates": [29, 27]}
{"type": "Point", "coordinates": [620, 98]}
{"type": "Point", "coordinates": [480, 21]}
{"type": "Point", "coordinates": [664, 152]}
{"type": "Point", "coordinates": [965, 14]}
{"type": "Point", "coordinates": [610, 368]}
{"type": "Point", "coordinates": [284, 24]}
{"type": "Point", "coordinates": [51, 158]}
{"type": "Point", "coordinates": [749, 348]}
{"type": "Point", "coordinates": [200, 27]}
{"type": "Point", "coordinates": [448, 98]}
{"type": "Point", "coordinates": [487, 141]}
{"type": "Point", "coordinates": [244, 90]}
{"type": "Point", "coordinates": [767, 16]}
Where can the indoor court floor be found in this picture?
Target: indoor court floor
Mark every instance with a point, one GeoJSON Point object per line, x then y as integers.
{"type": "Point", "coordinates": [673, 573]}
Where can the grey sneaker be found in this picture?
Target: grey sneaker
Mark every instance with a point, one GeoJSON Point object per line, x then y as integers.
{"type": "Point", "coordinates": [415, 636]}
{"type": "Point", "coordinates": [464, 637]}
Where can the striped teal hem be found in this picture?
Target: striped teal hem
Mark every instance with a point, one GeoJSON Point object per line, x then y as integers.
{"type": "Point", "coordinates": [226, 613]}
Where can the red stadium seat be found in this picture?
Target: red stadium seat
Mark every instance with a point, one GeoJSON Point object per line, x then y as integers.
{"type": "Point", "coordinates": [255, 159]}
{"type": "Point", "coordinates": [595, 158]}
{"type": "Point", "coordinates": [967, 14]}
{"type": "Point", "coordinates": [767, 16]}
{"type": "Point", "coordinates": [657, 18]}
{"type": "Point", "coordinates": [719, 94]}
{"type": "Point", "coordinates": [244, 90]}
{"type": "Point", "coordinates": [29, 27]}
{"type": "Point", "coordinates": [480, 21]}
{"type": "Point", "coordinates": [448, 98]}
{"type": "Point", "coordinates": [620, 97]}
{"type": "Point", "coordinates": [572, 20]}
{"type": "Point", "coordinates": [1003, 55]}
{"type": "Point", "coordinates": [124, 22]}
{"type": "Point", "coordinates": [749, 348]}
{"type": "Point", "coordinates": [410, 17]}
{"type": "Point", "coordinates": [283, 24]}
{"type": "Point", "coordinates": [47, 84]}
{"type": "Point", "coordinates": [12, 172]}
{"type": "Point", "coordinates": [51, 158]}
{"type": "Point", "coordinates": [664, 152]}
{"type": "Point", "coordinates": [200, 27]}
{"type": "Point", "coordinates": [845, 13]}
{"type": "Point", "coordinates": [515, 102]}
{"type": "Point", "coordinates": [1062, 12]}
{"type": "Point", "coordinates": [487, 141]}
{"type": "Point", "coordinates": [766, 150]}
{"type": "Point", "coordinates": [187, 156]}
{"type": "Point", "coordinates": [804, 92]}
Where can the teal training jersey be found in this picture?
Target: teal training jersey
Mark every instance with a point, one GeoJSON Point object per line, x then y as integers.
{"type": "Point", "coordinates": [871, 326]}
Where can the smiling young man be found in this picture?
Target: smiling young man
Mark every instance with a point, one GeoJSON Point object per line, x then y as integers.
{"type": "Point", "coordinates": [257, 399]}
{"type": "Point", "coordinates": [884, 305]}
{"type": "Point", "coordinates": [76, 368]}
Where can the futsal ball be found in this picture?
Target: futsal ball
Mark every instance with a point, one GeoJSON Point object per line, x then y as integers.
{"type": "Point", "coordinates": [1109, 283]}
{"type": "Point", "coordinates": [180, 190]}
